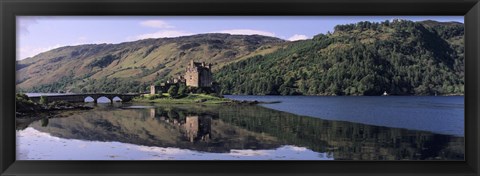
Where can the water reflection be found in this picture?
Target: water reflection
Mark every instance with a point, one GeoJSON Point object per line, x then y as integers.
{"type": "Point", "coordinates": [222, 129]}
{"type": "Point", "coordinates": [198, 128]}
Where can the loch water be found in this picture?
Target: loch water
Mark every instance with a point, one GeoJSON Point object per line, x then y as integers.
{"type": "Point", "coordinates": [297, 128]}
{"type": "Point", "coordinates": [439, 114]}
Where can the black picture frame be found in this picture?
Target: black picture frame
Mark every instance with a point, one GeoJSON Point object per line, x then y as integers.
{"type": "Point", "coordinates": [11, 8]}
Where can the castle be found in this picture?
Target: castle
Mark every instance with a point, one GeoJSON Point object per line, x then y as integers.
{"type": "Point", "coordinates": [197, 75]}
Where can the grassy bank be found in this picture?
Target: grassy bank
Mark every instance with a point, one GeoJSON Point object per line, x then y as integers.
{"type": "Point", "coordinates": [185, 99]}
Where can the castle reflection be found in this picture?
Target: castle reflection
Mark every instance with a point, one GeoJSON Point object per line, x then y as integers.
{"type": "Point", "coordinates": [198, 128]}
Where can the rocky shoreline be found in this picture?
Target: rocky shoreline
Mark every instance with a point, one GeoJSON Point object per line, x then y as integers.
{"type": "Point", "coordinates": [26, 112]}
{"type": "Point", "coordinates": [25, 107]}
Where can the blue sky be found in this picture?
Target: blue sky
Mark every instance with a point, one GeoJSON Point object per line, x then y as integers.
{"type": "Point", "coordinates": [36, 34]}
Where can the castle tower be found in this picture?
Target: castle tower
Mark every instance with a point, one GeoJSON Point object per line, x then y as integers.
{"type": "Point", "coordinates": [198, 75]}
{"type": "Point", "coordinates": [191, 127]}
{"type": "Point", "coordinates": [192, 75]}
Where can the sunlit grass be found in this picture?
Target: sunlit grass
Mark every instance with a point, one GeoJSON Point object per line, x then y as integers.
{"type": "Point", "coordinates": [185, 99]}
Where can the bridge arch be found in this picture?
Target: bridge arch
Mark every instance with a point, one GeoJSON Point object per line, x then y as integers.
{"type": "Point", "coordinates": [88, 99]}
{"type": "Point", "coordinates": [93, 97]}
{"type": "Point", "coordinates": [117, 99]}
{"type": "Point", "coordinates": [103, 98]}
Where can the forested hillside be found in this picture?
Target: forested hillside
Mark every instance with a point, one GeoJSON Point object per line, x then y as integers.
{"type": "Point", "coordinates": [400, 57]}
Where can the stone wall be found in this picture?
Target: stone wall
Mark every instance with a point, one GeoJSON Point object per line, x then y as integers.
{"type": "Point", "coordinates": [205, 78]}
{"type": "Point", "coordinates": [192, 78]}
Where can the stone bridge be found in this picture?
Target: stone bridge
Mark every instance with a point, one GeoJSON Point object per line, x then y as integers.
{"type": "Point", "coordinates": [78, 98]}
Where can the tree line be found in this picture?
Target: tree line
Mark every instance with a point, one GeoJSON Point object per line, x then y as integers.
{"type": "Point", "coordinates": [401, 58]}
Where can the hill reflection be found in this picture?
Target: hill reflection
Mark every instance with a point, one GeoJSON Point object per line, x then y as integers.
{"type": "Point", "coordinates": [220, 128]}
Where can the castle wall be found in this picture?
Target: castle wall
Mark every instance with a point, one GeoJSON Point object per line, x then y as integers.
{"type": "Point", "coordinates": [192, 78]}
{"type": "Point", "coordinates": [205, 78]}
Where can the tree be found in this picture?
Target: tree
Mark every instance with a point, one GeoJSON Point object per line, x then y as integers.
{"type": "Point", "coordinates": [173, 91]}
{"type": "Point", "coordinates": [182, 90]}
{"type": "Point", "coordinates": [159, 92]}
{"type": "Point", "coordinates": [43, 100]}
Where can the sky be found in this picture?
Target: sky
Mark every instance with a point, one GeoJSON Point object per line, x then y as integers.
{"type": "Point", "coordinates": [37, 34]}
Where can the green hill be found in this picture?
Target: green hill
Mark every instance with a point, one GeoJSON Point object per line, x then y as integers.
{"type": "Point", "coordinates": [131, 66]}
{"type": "Point", "coordinates": [400, 57]}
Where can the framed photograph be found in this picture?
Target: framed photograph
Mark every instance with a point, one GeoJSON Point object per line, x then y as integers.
{"type": "Point", "coordinates": [239, 87]}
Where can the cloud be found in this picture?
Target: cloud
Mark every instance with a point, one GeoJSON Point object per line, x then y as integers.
{"type": "Point", "coordinates": [82, 39]}
{"type": "Point", "coordinates": [298, 37]}
{"type": "Point", "coordinates": [156, 24]}
{"type": "Point", "coordinates": [246, 32]}
{"type": "Point", "coordinates": [234, 152]}
{"type": "Point", "coordinates": [295, 148]}
{"type": "Point", "coordinates": [161, 34]}
{"type": "Point", "coordinates": [24, 23]}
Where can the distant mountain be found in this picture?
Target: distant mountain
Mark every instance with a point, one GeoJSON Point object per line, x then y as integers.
{"type": "Point", "coordinates": [399, 57]}
{"type": "Point", "coordinates": [131, 66]}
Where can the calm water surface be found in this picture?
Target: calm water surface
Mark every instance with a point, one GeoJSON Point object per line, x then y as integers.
{"type": "Point", "coordinates": [285, 131]}
{"type": "Point", "coordinates": [439, 114]}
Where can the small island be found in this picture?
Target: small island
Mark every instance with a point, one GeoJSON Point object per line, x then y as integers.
{"type": "Point", "coordinates": [194, 98]}
{"type": "Point", "coordinates": [166, 98]}
{"type": "Point", "coordinates": [195, 86]}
